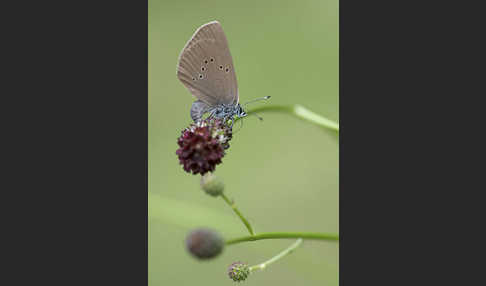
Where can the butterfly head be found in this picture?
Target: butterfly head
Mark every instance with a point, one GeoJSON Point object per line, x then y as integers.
{"type": "Point", "coordinates": [240, 112]}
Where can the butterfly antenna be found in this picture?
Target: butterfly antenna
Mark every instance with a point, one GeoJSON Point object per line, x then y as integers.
{"type": "Point", "coordinates": [257, 99]}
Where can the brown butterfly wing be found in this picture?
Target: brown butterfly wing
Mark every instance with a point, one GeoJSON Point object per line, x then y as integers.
{"type": "Point", "coordinates": [206, 67]}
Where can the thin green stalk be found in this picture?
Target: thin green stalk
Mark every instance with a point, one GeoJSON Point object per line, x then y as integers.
{"type": "Point", "coordinates": [279, 235]}
{"type": "Point", "coordinates": [299, 112]}
{"type": "Point", "coordinates": [243, 219]}
{"type": "Point", "coordinates": [287, 251]}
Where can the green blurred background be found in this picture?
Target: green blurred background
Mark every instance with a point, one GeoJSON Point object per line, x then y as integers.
{"type": "Point", "coordinates": [282, 172]}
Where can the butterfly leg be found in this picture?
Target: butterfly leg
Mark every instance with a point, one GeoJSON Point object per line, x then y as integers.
{"type": "Point", "coordinates": [212, 113]}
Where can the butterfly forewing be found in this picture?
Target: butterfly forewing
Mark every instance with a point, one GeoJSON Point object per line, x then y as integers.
{"type": "Point", "coordinates": [206, 67]}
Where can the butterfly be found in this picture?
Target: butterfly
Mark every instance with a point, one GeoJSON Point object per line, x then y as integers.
{"type": "Point", "coordinates": [206, 69]}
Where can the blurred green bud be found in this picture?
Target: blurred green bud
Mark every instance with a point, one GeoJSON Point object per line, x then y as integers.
{"type": "Point", "coordinates": [212, 185]}
{"type": "Point", "coordinates": [204, 243]}
{"type": "Point", "coordinates": [238, 271]}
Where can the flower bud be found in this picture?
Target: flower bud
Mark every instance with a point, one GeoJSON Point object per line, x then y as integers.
{"type": "Point", "coordinates": [238, 271]}
{"type": "Point", "coordinates": [204, 243]}
{"type": "Point", "coordinates": [212, 185]}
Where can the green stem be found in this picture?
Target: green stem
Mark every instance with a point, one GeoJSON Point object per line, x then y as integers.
{"type": "Point", "coordinates": [299, 112]}
{"type": "Point", "coordinates": [243, 219]}
{"type": "Point", "coordinates": [287, 251]}
{"type": "Point", "coordinates": [278, 235]}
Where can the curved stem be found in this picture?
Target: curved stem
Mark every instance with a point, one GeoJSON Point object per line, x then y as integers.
{"type": "Point", "coordinates": [279, 235]}
{"type": "Point", "coordinates": [243, 219]}
{"type": "Point", "coordinates": [300, 112]}
{"type": "Point", "coordinates": [287, 251]}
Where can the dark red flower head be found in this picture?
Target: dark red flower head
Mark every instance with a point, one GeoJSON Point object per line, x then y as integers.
{"type": "Point", "coordinates": [202, 145]}
{"type": "Point", "coordinates": [204, 243]}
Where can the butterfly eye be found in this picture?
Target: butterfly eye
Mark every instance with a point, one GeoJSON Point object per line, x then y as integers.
{"type": "Point", "coordinates": [203, 68]}
{"type": "Point", "coordinates": [212, 59]}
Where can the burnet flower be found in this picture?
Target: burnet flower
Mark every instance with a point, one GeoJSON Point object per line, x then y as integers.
{"type": "Point", "coordinates": [238, 271]}
{"type": "Point", "coordinates": [204, 243]}
{"type": "Point", "coordinates": [202, 145]}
